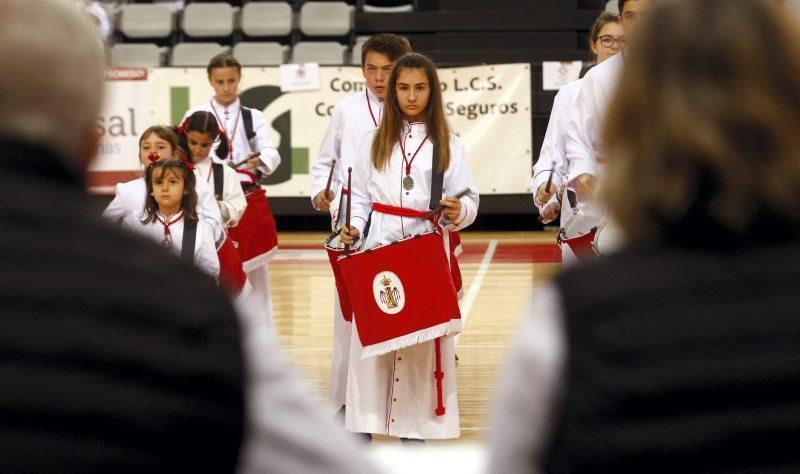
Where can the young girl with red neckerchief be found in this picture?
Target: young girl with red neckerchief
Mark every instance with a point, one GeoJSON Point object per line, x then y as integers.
{"type": "Point", "coordinates": [395, 394]}
{"type": "Point", "coordinates": [170, 208]}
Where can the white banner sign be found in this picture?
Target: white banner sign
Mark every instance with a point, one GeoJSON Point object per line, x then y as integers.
{"type": "Point", "coordinates": [557, 74]}
{"type": "Point", "coordinates": [488, 107]}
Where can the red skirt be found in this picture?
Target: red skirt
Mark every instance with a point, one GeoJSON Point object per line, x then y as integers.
{"type": "Point", "coordinates": [255, 235]}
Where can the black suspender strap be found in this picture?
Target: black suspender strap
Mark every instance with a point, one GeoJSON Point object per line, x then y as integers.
{"type": "Point", "coordinates": [189, 237]}
{"type": "Point", "coordinates": [247, 118]}
{"type": "Point", "coordinates": [218, 180]}
{"type": "Point", "coordinates": [437, 179]}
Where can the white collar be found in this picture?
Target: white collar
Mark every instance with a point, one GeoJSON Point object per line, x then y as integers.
{"type": "Point", "coordinates": [235, 105]}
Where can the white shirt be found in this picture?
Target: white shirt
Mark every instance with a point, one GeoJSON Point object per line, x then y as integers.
{"type": "Point", "coordinates": [130, 197]}
{"type": "Point", "coordinates": [584, 148]}
{"type": "Point", "coordinates": [531, 383]}
{"type": "Point", "coordinates": [352, 118]}
{"type": "Point", "coordinates": [205, 251]}
{"type": "Point", "coordinates": [370, 185]}
{"type": "Point", "coordinates": [553, 155]}
{"type": "Point", "coordinates": [231, 120]}
{"type": "Point", "coordinates": [232, 202]}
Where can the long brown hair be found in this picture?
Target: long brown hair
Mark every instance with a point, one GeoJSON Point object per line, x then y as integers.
{"type": "Point", "coordinates": [391, 127]}
{"type": "Point", "coordinates": [189, 200]}
{"type": "Point", "coordinates": [706, 121]}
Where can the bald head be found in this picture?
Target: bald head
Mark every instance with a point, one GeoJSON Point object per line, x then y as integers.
{"type": "Point", "coordinates": [51, 82]}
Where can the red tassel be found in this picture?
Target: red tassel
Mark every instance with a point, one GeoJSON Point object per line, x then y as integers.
{"type": "Point", "coordinates": [439, 376]}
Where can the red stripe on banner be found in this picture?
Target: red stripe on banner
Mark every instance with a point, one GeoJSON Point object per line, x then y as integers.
{"type": "Point", "coordinates": [103, 183]}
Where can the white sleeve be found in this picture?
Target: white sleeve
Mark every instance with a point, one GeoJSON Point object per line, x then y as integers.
{"type": "Point", "coordinates": [524, 411]}
{"type": "Point", "coordinates": [360, 200]}
{"type": "Point", "coordinates": [205, 250]}
{"type": "Point", "coordinates": [329, 150]}
{"type": "Point", "coordinates": [233, 197]}
{"type": "Point", "coordinates": [208, 209]}
{"type": "Point", "coordinates": [115, 211]}
{"type": "Point", "coordinates": [286, 432]}
{"type": "Point", "coordinates": [269, 154]}
{"type": "Point", "coordinates": [552, 155]}
{"type": "Point", "coordinates": [457, 178]}
{"type": "Point", "coordinates": [583, 132]}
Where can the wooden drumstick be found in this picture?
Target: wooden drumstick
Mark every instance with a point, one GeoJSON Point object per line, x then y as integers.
{"type": "Point", "coordinates": [236, 165]}
{"type": "Point", "coordinates": [347, 209]}
{"type": "Point", "coordinates": [330, 178]}
{"type": "Point", "coordinates": [550, 178]}
{"type": "Point", "coordinates": [440, 209]}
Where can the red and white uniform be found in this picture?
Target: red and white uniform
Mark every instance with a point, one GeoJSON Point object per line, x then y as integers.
{"type": "Point", "coordinates": [352, 118]}
{"type": "Point", "coordinates": [230, 120]}
{"type": "Point", "coordinates": [205, 251]}
{"type": "Point", "coordinates": [233, 201]}
{"type": "Point", "coordinates": [130, 197]}
{"type": "Point", "coordinates": [395, 394]}
{"type": "Point", "coordinates": [554, 150]}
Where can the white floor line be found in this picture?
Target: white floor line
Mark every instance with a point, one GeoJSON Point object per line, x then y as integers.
{"type": "Point", "coordinates": [475, 287]}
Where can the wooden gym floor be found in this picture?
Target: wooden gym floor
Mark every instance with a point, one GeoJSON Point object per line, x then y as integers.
{"type": "Point", "coordinates": [500, 272]}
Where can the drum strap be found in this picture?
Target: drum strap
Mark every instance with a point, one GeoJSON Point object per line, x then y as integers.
{"type": "Point", "coordinates": [218, 181]}
{"type": "Point", "coordinates": [437, 180]}
{"type": "Point", "coordinates": [189, 237]}
{"type": "Point", "coordinates": [247, 119]}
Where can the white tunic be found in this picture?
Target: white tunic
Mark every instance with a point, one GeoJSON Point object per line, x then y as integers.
{"type": "Point", "coordinates": [130, 197]}
{"type": "Point", "coordinates": [352, 118]}
{"type": "Point", "coordinates": [584, 148]}
{"type": "Point", "coordinates": [205, 251]}
{"type": "Point", "coordinates": [395, 393]}
{"type": "Point", "coordinates": [554, 151]}
{"type": "Point", "coordinates": [230, 119]}
{"type": "Point", "coordinates": [233, 200]}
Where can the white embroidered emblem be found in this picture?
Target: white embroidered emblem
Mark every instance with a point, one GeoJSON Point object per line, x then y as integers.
{"type": "Point", "coordinates": [388, 292]}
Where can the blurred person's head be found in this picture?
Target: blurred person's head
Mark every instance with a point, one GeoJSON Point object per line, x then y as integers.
{"type": "Point", "coordinates": [378, 55]}
{"type": "Point", "coordinates": [705, 126]}
{"type": "Point", "coordinates": [606, 36]}
{"type": "Point", "coordinates": [631, 11]}
{"type": "Point", "coordinates": [52, 78]}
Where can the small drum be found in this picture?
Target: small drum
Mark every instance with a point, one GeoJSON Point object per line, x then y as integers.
{"type": "Point", "coordinates": [608, 238]}
{"type": "Point", "coordinates": [231, 274]}
{"type": "Point", "coordinates": [579, 231]}
{"type": "Point", "coordinates": [255, 235]}
{"type": "Point", "coordinates": [335, 249]}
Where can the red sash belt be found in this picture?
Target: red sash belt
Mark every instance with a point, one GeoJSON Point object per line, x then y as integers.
{"type": "Point", "coordinates": [398, 211]}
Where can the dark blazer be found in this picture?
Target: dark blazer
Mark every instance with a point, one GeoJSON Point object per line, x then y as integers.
{"type": "Point", "coordinates": [114, 355]}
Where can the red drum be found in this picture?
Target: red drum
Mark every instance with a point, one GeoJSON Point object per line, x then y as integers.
{"type": "Point", "coordinates": [402, 294]}
{"type": "Point", "coordinates": [579, 232]}
{"type": "Point", "coordinates": [256, 235]}
{"type": "Point", "coordinates": [335, 249]}
{"type": "Point", "coordinates": [231, 274]}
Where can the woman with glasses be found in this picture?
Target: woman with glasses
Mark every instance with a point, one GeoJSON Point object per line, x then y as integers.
{"type": "Point", "coordinates": [604, 41]}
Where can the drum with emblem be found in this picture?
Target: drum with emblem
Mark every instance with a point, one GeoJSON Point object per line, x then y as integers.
{"type": "Point", "coordinates": [231, 274]}
{"type": "Point", "coordinates": [256, 236]}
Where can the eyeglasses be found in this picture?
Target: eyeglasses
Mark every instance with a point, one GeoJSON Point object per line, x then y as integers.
{"type": "Point", "coordinates": [608, 41]}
